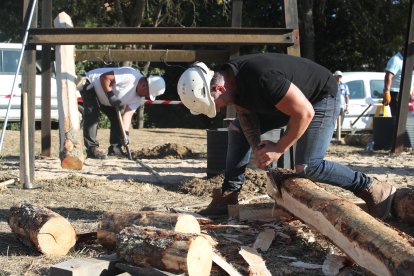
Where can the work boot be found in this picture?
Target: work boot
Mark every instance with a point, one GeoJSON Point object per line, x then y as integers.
{"type": "Point", "coordinates": [95, 153]}
{"type": "Point", "coordinates": [218, 206]}
{"type": "Point", "coordinates": [378, 197]}
{"type": "Point", "coordinates": [116, 151]}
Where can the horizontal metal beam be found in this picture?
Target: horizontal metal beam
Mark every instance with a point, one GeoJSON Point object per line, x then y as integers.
{"type": "Point", "coordinates": [152, 55]}
{"type": "Point", "coordinates": [164, 36]}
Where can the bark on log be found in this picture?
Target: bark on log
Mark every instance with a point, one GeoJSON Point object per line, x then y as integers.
{"type": "Point", "coordinates": [403, 205]}
{"type": "Point", "coordinates": [366, 240]}
{"type": "Point", "coordinates": [71, 137]}
{"type": "Point", "coordinates": [37, 226]}
{"type": "Point", "coordinates": [112, 223]}
{"type": "Point", "coordinates": [165, 250]}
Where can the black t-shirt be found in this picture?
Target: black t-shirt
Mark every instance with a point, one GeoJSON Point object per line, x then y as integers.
{"type": "Point", "coordinates": [263, 80]}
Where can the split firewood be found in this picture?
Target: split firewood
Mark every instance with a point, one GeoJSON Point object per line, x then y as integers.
{"type": "Point", "coordinates": [37, 226]}
{"type": "Point", "coordinates": [256, 263]}
{"type": "Point", "coordinates": [112, 223]}
{"type": "Point", "coordinates": [403, 205]}
{"type": "Point", "coordinates": [366, 240]}
{"type": "Point", "coordinates": [166, 250]}
{"type": "Point", "coordinates": [264, 239]}
{"type": "Point", "coordinates": [70, 132]}
{"type": "Point", "coordinates": [221, 262]}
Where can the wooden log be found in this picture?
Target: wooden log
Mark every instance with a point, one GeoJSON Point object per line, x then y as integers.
{"type": "Point", "coordinates": [366, 240]}
{"type": "Point", "coordinates": [166, 250]}
{"type": "Point", "coordinates": [37, 226]}
{"type": "Point", "coordinates": [111, 223]}
{"type": "Point", "coordinates": [71, 137]}
{"type": "Point", "coordinates": [403, 205]}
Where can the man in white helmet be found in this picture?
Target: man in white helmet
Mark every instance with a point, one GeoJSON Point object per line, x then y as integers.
{"type": "Point", "coordinates": [108, 90]}
{"type": "Point", "coordinates": [270, 91]}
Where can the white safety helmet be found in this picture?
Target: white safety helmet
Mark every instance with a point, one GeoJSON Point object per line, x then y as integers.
{"type": "Point", "coordinates": [156, 86]}
{"type": "Point", "coordinates": [337, 74]}
{"type": "Point", "coordinates": [194, 90]}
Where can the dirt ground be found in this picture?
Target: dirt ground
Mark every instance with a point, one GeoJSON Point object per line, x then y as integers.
{"type": "Point", "coordinates": [170, 173]}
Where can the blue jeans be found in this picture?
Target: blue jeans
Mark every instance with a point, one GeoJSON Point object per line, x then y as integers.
{"type": "Point", "coordinates": [309, 153]}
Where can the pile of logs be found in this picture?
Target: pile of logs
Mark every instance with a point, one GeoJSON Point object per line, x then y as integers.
{"type": "Point", "coordinates": [166, 241]}
{"type": "Point", "coordinates": [173, 242]}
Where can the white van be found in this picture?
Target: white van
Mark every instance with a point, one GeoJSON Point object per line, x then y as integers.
{"type": "Point", "coordinates": [9, 58]}
{"type": "Point", "coordinates": [366, 90]}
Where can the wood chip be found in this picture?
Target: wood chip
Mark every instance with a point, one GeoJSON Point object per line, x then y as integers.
{"type": "Point", "coordinates": [256, 263]}
{"type": "Point", "coordinates": [264, 239]}
{"type": "Point", "coordinates": [301, 264]}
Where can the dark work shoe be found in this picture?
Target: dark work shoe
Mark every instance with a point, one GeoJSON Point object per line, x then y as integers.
{"type": "Point", "coordinates": [219, 203]}
{"type": "Point", "coordinates": [116, 151]}
{"type": "Point", "coordinates": [95, 153]}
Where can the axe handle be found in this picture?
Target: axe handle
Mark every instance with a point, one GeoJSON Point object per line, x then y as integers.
{"type": "Point", "coordinates": [121, 125]}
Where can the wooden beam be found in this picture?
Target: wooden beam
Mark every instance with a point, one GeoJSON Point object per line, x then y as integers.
{"type": "Point", "coordinates": [154, 55]}
{"type": "Point", "coordinates": [166, 36]}
{"type": "Point", "coordinates": [405, 86]}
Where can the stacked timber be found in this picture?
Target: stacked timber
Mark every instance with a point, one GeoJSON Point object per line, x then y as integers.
{"type": "Point", "coordinates": [37, 226]}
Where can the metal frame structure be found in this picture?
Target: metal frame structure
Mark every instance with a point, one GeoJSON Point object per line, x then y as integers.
{"type": "Point", "coordinates": [233, 36]}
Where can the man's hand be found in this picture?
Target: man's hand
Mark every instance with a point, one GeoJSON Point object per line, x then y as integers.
{"type": "Point", "coordinates": [113, 99]}
{"type": "Point", "coordinates": [265, 154]}
{"type": "Point", "coordinates": [386, 99]}
{"type": "Point", "coordinates": [126, 139]}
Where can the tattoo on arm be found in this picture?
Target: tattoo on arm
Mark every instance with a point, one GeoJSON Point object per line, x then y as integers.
{"type": "Point", "coordinates": [250, 125]}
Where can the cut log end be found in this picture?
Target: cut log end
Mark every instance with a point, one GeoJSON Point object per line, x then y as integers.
{"type": "Point", "coordinates": [187, 224]}
{"type": "Point", "coordinates": [72, 163]}
{"type": "Point", "coordinates": [50, 239]}
{"type": "Point", "coordinates": [199, 258]}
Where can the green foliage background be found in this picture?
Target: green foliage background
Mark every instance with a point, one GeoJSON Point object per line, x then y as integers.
{"type": "Point", "coordinates": [349, 35]}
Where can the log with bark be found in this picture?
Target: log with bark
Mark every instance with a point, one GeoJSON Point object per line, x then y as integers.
{"type": "Point", "coordinates": [71, 137]}
{"type": "Point", "coordinates": [403, 205]}
{"type": "Point", "coordinates": [165, 250]}
{"type": "Point", "coordinates": [37, 226]}
{"type": "Point", "coordinates": [111, 223]}
{"type": "Point", "coordinates": [366, 240]}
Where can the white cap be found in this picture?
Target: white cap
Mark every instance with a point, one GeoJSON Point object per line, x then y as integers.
{"type": "Point", "coordinates": [156, 85]}
{"type": "Point", "coordinates": [194, 90]}
{"type": "Point", "coordinates": [337, 74]}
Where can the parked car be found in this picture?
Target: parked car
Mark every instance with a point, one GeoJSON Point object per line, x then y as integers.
{"type": "Point", "coordinates": [9, 58]}
{"type": "Point", "coordinates": [366, 90]}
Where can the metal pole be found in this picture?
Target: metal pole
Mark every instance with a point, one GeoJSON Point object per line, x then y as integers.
{"type": "Point", "coordinates": [19, 64]}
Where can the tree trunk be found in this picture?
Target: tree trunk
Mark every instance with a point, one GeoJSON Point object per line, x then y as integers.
{"type": "Point", "coordinates": [165, 250]}
{"type": "Point", "coordinates": [71, 137]}
{"type": "Point", "coordinates": [366, 240]}
{"type": "Point", "coordinates": [42, 228]}
{"type": "Point", "coordinates": [112, 223]}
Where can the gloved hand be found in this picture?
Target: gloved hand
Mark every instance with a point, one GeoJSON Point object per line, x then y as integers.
{"type": "Point", "coordinates": [113, 99]}
{"type": "Point", "coordinates": [126, 138]}
{"type": "Point", "coordinates": [386, 99]}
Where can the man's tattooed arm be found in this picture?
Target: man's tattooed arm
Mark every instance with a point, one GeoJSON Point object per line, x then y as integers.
{"type": "Point", "coordinates": [250, 124]}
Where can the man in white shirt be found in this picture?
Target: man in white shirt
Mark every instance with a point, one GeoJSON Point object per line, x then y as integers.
{"type": "Point", "coordinates": [107, 90]}
{"type": "Point", "coordinates": [392, 82]}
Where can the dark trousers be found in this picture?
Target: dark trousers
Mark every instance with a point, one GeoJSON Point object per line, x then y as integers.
{"type": "Point", "coordinates": [394, 103]}
{"type": "Point", "coordinates": [92, 110]}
